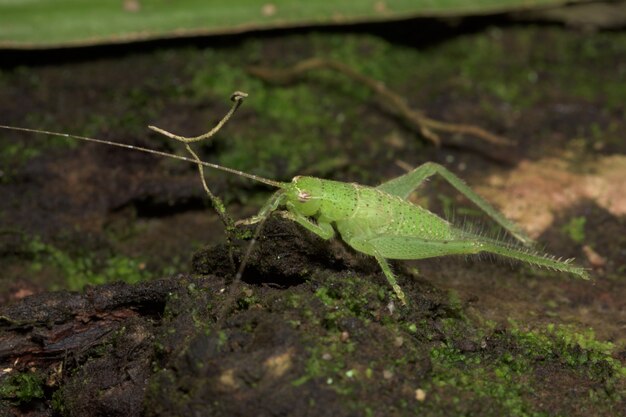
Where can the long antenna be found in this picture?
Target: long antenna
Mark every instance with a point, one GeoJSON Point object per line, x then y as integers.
{"type": "Point", "coordinates": [267, 181]}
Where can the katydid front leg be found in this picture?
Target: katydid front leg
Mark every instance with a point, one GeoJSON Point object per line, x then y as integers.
{"type": "Point", "coordinates": [403, 186]}
{"type": "Point", "coordinates": [321, 228]}
{"type": "Point", "coordinates": [272, 205]}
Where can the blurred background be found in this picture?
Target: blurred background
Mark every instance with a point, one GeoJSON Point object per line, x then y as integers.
{"type": "Point", "coordinates": [546, 76]}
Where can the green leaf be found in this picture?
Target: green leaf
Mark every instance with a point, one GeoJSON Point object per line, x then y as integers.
{"type": "Point", "coordinates": [26, 24]}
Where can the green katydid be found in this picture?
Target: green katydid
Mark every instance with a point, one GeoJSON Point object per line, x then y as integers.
{"type": "Point", "coordinates": [377, 221]}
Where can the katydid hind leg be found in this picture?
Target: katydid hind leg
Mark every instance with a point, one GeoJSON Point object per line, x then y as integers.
{"type": "Point", "coordinates": [403, 185]}
{"type": "Point", "coordinates": [408, 247]}
{"type": "Point", "coordinates": [412, 248]}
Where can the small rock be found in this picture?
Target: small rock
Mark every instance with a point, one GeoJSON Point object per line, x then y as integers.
{"type": "Point", "coordinates": [420, 395]}
{"type": "Point", "coordinates": [594, 258]}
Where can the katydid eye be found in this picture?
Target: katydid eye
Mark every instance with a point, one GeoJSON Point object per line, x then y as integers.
{"type": "Point", "coordinates": [303, 196]}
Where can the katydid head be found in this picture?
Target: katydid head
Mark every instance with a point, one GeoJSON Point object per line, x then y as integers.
{"type": "Point", "coordinates": [304, 194]}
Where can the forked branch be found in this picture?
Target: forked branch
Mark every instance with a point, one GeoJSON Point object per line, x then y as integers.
{"type": "Point", "coordinates": [217, 203]}
{"type": "Point", "coordinates": [428, 128]}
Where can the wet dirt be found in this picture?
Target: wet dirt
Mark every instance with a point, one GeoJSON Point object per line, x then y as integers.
{"type": "Point", "coordinates": [313, 329]}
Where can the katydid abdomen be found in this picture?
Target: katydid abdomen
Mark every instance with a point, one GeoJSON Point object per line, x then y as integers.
{"type": "Point", "coordinates": [361, 211]}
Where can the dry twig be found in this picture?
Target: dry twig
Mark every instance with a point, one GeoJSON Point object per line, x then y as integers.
{"type": "Point", "coordinates": [429, 128]}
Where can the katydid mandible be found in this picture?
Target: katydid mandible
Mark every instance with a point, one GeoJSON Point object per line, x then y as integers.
{"type": "Point", "coordinates": [377, 221]}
